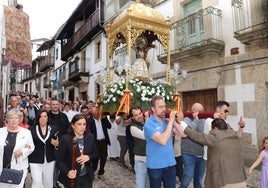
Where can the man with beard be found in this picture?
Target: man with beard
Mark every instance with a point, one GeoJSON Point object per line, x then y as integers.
{"type": "Point", "coordinates": [60, 120]}
{"type": "Point", "coordinates": [160, 161]}
{"type": "Point", "coordinates": [137, 132]}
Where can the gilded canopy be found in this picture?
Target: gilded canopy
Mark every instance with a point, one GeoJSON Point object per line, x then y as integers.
{"type": "Point", "coordinates": [137, 19]}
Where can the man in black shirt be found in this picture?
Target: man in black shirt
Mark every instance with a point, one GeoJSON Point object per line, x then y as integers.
{"type": "Point", "coordinates": [57, 118]}
{"type": "Point", "coordinates": [60, 120]}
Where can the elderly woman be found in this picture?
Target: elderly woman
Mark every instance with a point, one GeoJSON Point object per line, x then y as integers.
{"type": "Point", "coordinates": [16, 144]}
{"type": "Point", "coordinates": [42, 160]}
{"type": "Point", "coordinates": [75, 167]}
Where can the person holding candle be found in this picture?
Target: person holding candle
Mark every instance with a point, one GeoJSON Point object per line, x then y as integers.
{"type": "Point", "coordinates": [76, 151]}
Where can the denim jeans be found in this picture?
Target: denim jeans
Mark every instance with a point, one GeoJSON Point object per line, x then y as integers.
{"type": "Point", "coordinates": [194, 167]}
{"type": "Point", "coordinates": [142, 178]}
{"type": "Point", "coordinates": [166, 175]}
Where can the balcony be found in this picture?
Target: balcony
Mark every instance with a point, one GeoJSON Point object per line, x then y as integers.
{"type": "Point", "coordinates": [46, 63]}
{"type": "Point", "coordinates": [78, 73]}
{"type": "Point", "coordinates": [196, 35]}
{"type": "Point", "coordinates": [250, 24]}
{"type": "Point", "coordinates": [46, 83]}
{"type": "Point", "coordinates": [81, 36]}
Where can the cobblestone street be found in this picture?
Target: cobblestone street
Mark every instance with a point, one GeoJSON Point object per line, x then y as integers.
{"type": "Point", "coordinates": [117, 176]}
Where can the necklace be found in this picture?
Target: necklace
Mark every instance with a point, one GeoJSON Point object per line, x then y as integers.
{"type": "Point", "coordinates": [13, 130]}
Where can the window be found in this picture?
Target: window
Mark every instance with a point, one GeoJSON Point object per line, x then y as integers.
{"type": "Point", "coordinates": [57, 53]}
{"type": "Point", "coordinates": [98, 50]}
{"type": "Point", "coordinates": [191, 25]}
{"type": "Point", "coordinates": [26, 87]}
{"type": "Point", "coordinates": [83, 61]}
{"type": "Point", "coordinates": [98, 89]}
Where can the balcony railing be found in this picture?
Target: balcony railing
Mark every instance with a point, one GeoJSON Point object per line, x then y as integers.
{"type": "Point", "coordinates": [77, 39]}
{"type": "Point", "coordinates": [241, 16]}
{"type": "Point", "coordinates": [45, 63]}
{"type": "Point", "coordinates": [250, 23]}
{"type": "Point", "coordinates": [196, 30]}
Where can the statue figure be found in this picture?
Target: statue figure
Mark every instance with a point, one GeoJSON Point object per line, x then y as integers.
{"type": "Point", "coordinates": [141, 68]}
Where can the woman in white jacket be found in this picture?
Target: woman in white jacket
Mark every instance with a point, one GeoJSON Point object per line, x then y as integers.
{"type": "Point", "coordinates": [16, 144]}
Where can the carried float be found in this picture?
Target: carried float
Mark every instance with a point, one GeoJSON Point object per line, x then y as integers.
{"type": "Point", "coordinates": [128, 79]}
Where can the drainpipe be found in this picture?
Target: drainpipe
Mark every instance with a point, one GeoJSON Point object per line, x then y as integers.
{"type": "Point", "coordinates": [101, 5]}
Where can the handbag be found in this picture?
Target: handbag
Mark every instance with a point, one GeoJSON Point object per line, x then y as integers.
{"type": "Point", "coordinates": [11, 176]}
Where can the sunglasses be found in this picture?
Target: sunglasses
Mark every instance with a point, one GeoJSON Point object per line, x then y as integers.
{"type": "Point", "coordinates": [226, 111]}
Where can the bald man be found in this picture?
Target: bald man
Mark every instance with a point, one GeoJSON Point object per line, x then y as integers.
{"type": "Point", "coordinates": [192, 152]}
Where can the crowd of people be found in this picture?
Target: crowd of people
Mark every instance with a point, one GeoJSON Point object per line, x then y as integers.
{"type": "Point", "coordinates": [70, 141]}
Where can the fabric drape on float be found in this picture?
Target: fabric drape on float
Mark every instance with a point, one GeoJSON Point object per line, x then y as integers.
{"type": "Point", "coordinates": [18, 41]}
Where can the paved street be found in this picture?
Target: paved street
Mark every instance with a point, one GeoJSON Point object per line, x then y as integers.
{"type": "Point", "coordinates": [121, 177]}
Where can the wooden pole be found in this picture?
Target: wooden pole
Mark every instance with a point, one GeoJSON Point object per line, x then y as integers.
{"type": "Point", "coordinates": [73, 167]}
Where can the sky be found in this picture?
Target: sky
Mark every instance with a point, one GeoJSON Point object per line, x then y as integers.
{"type": "Point", "coordinates": [47, 16]}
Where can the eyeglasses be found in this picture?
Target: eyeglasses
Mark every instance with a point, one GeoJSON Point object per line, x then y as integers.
{"type": "Point", "coordinates": [226, 111]}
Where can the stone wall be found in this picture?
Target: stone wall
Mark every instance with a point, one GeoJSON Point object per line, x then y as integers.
{"type": "Point", "coordinates": [242, 80]}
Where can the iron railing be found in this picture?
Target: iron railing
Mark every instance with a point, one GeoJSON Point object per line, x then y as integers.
{"type": "Point", "coordinates": [197, 29]}
{"type": "Point", "coordinates": [241, 16]}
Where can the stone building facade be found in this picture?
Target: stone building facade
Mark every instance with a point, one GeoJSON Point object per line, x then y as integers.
{"type": "Point", "coordinates": [236, 68]}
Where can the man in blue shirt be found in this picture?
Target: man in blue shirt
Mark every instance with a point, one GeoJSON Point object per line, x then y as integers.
{"type": "Point", "coordinates": [159, 148]}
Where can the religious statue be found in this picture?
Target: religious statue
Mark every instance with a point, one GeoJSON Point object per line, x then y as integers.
{"type": "Point", "coordinates": [140, 66]}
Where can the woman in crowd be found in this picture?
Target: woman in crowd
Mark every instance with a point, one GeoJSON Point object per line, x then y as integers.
{"type": "Point", "coordinates": [42, 160]}
{"type": "Point", "coordinates": [23, 120]}
{"type": "Point", "coordinates": [16, 144]}
{"type": "Point", "coordinates": [76, 108]}
{"type": "Point", "coordinates": [80, 172]}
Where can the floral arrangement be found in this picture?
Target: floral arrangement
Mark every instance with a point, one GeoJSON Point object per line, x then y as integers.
{"type": "Point", "coordinates": [141, 92]}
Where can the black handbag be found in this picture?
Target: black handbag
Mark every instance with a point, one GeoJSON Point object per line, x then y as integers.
{"type": "Point", "coordinates": [11, 176]}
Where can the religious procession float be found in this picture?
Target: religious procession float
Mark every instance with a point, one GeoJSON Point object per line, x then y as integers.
{"type": "Point", "coordinates": [128, 79]}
